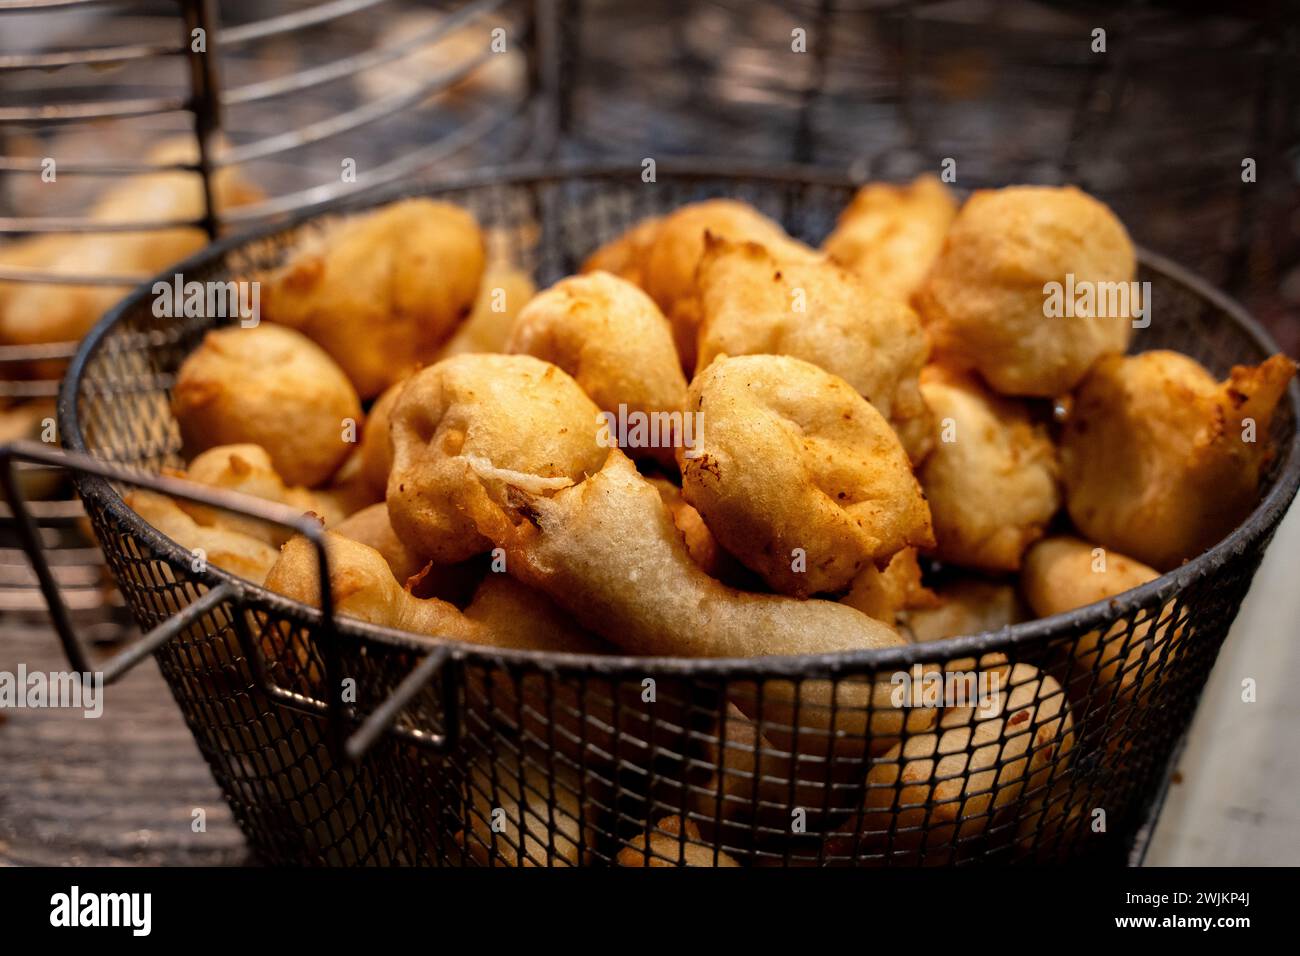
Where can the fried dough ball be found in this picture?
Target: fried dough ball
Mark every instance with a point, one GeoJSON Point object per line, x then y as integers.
{"type": "Point", "coordinates": [247, 469]}
{"type": "Point", "coordinates": [625, 256]}
{"type": "Point", "coordinates": [504, 291]}
{"type": "Point", "coordinates": [890, 235]}
{"type": "Point", "coordinates": [33, 313]}
{"type": "Point", "coordinates": [239, 554]}
{"type": "Point", "coordinates": [939, 789]}
{"type": "Point", "coordinates": [363, 587]}
{"type": "Point", "coordinates": [1064, 573]}
{"type": "Point", "coordinates": [376, 446]}
{"type": "Point", "coordinates": [753, 303]}
{"type": "Point", "coordinates": [991, 479]}
{"type": "Point", "coordinates": [673, 841]}
{"type": "Point", "coordinates": [884, 594]}
{"type": "Point", "coordinates": [612, 338]}
{"type": "Point", "coordinates": [371, 527]}
{"type": "Point", "coordinates": [383, 291]}
{"type": "Point", "coordinates": [800, 479]}
{"type": "Point", "coordinates": [673, 255]}
{"type": "Point", "coordinates": [985, 299]}
{"type": "Point", "coordinates": [267, 386]}
{"type": "Point", "coordinates": [469, 428]}
{"type": "Point", "coordinates": [966, 606]}
{"type": "Point", "coordinates": [1159, 460]}
{"type": "Point", "coordinates": [697, 537]}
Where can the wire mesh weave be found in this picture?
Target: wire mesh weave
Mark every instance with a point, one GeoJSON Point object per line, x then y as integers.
{"type": "Point", "coordinates": [515, 758]}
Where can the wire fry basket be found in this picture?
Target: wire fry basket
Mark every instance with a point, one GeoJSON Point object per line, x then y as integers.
{"type": "Point", "coordinates": [278, 97]}
{"type": "Point", "coordinates": [451, 754]}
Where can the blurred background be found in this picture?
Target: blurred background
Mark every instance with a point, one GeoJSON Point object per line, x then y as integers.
{"type": "Point", "coordinates": [1183, 116]}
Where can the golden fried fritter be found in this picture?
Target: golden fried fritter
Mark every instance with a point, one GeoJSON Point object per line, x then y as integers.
{"type": "Point", "coordinates": [941, 788]}
{"type": "Point", "coordinates": [383, 291]}
{"type": "Point", "coordinates": [1159, 460]}
{"type": "Point", "coordinates": [965, 606]}
{"type": "Point", "coordinates": [800, 478]}
{"type": "Point", "coordinates": [612, 338]}
{"type": "Point", "coordinates": [237, 553]}
{"type": "Point", "coordinates": [466, 430]}
{"type": "Point", "coordinates": [890, 235]}
{"type": "Point", "coordinates": [985, 302]}
{"type": "Point", "coordinates": [753, 303]}
{"type": "Point", "coordinates": [248, 470]}
{"type": "Point", "coordinates": [883, 594]}
{"type": "Point", "coordinates": [376, 446]}
{"type": "Point", "coordinates": [371, 527]}
{"type": "Point", "coordinates": [625, 256]}
{"type": "Point", "coordinates": [669, 265]}
{"type": "Point", "coordinates": [1064, 573]}
{"type": "Point", "coordinates": [992, 478]}
{"type": "Point", "coordinates": [269, 386]}
{"type": "Point", "coordinates": [673, 841]}
{"type": "Point", "coordinates": [504, 291]}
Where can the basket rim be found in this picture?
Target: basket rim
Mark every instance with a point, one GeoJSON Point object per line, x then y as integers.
{"type": "Point", "coordinates": [1262, 520]}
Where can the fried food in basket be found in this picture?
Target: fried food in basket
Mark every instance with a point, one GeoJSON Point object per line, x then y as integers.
{"type": "Point", "coordinates": [381, 292]}
{"type": "Point", "coordinates": [800, 478]}
{"type": "Point", "coordinates": [625, 256]}
{"type": "Point", "coordinates": [1063, 573]}
{"type": "Point", "coordinates": [884, 593]}
{"type": "Point", "coordinates": [991, 479]}
{"type": "Point", "coordinates": [890, 235]}
{"type": "Point", "coordinates": [667, 260]}
{"type": "Point", "coordinates": [966, 606]}
{"type": "Point", "coordinates": [376, 446]}
{"type": "Point", "coordinates": [269, 386]}
{"type": "Point", "coordinates": [673, 841]}
{"type": "Point", "coordinates": [937, 790]}
{"type": "Point", "coordinates": [32, 313]}
{"type": "Point", "coordinates": [234, 552]}
{"type": "Point", "coordinates": [370, 526]}
{"type": "Point", "coordinates": [503, 291]}
{"type": "Point", "coordinates": [522, 817]}
{"type": "Point", "coordinates": [986, 301]}
{"type": "Point", "coordinates": [472, 428]}
{"type": "Point", "coordinates": [1159, 460]}
{"type": "Point", "coordinates": [248, 470]}
{"type": "Point", "coordinates": [612, 338]}
{"type": "Point", "coordinates": [754, 303]}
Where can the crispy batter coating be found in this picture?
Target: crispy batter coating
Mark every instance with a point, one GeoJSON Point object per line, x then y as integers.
{"type": "Point", "coordinates": [248, 470]}
{"type": "Point", "coordinates": [800, 478]}
{"type": "Point", "coordinates": [371, 527]}
{"type": "Point", "coordinates": [267, 386]}
{"type": "Point", "coordinates": [940, 788]}
{"type": "Point", "coordinates": [753, 303]}
{"type": "Point", "coordinates": [966, 606]}
{"type": "Point", "coordinates": [466, 430]}
{"type": "Point", "coordinates": [703, 547]}
{"type": "Point", "coordinates": [612, 338]}
{"type": "Point", "coordinates": [34, 313]}
{"type": "Point", "coordinates": [890, 235]}
{"type": "Point", "coordinates": [673, 841]}
{"type": "Point", "coordinates": [984, 301]}
{"type": "Point", "coordinates": [1063, 573]}
{"type": "Point", "coordinates": [237, 553]}
{"type": "Point", "coordinates": [376, 442]}
{"type": "Point", "coordinates": [504, 291]}
{"type": "Point", "coordinates": [673, 255]}
{"type": "Point", "coordinates": [625, 255]}
{"type": "Point", "coordinates": [516, 616]}
{"type": "Point", "coordinates": [884, 594]}
{"type": "Point", "coordinates": [363, 587]}
{"type": "Point", "coordinates": [1159, 460]}
{"type": "Point", "coordinates": [383, 291]}
{"type": "Point", "coordinates": [992, 478]}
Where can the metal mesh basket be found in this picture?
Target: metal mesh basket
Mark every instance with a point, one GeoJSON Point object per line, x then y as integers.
{"type": "Point", "coordinates": [458, 754]}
